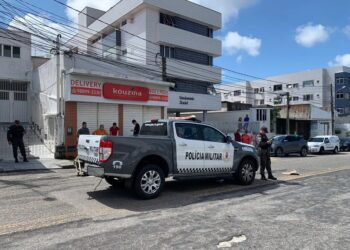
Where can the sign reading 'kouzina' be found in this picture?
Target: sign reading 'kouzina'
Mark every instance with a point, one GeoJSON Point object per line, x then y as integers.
{"type": "Point", "coordinates": [203, 156]}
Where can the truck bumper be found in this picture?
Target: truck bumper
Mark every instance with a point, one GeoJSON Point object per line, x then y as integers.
{"type": "Point", "coordinates": [95, 171]}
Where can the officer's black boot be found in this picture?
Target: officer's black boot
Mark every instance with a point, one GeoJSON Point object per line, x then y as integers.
{"type": "Point", "coordinates": [271, 177]}
{"type": "Point", "coordinates": [25, 160]}
{"type": "Point", "coordinates": [16, 160]}
{"type": "Point", "coordinates": [263, 177]}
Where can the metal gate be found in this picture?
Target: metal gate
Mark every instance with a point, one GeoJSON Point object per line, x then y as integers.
{"type": "Point", "coordinates": [13, 101]}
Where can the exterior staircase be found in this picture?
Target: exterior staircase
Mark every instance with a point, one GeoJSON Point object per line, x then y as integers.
{"type": "Point", "coordinates": [35, 148]}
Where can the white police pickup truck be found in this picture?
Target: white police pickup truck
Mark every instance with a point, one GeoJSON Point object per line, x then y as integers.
{"type": "Point", "coordinates": [166, 148]}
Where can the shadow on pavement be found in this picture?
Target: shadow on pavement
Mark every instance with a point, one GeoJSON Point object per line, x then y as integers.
{"type": "Point", "coordinates": [181, 193]}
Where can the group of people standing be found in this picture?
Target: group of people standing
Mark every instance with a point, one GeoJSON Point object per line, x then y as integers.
{"type": "Point", "coordinates": [113, 131]}
{"type": "Point", "coordinates": [263, 144]}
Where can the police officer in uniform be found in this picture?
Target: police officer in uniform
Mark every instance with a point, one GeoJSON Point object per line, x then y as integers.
{"type": "Point", "coordinates": [265, 160]}
{"type": "Point", "coordinates": [15, 137]}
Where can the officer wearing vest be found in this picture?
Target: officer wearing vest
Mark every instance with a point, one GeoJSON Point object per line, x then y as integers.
{"type": "Point", "coordinates": [15, 138]}
{"type": "Point", "coordinates": [265, 160]}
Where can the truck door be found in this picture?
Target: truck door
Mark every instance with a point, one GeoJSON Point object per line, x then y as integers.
{"type": "Point", "coordinates": [218, 153]}
{"type": "Point", "coordinates": [189, 148]}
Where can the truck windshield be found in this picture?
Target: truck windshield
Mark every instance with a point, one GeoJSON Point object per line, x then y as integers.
{"type": "Point", "coordinates": [154, 128]}
{"type": "Point", "coordinates": [316, 139]}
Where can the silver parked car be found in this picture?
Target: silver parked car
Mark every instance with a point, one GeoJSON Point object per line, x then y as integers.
{"type": "Point", "coordinates": [289, 144]}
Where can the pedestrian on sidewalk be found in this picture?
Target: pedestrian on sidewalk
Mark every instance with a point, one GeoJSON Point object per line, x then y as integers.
{"type": "Point", "coordinates": [238, 137]}
{"type": "Point", "coordinates": [83, 130]}
{"type": "Point", "coordinates": [114, 130]}
{"type": "Point", "coordinates": [136, 129]}
{"type": "Point", "coordinates": [265, 160]}
{"type": "Point", "coordinates": [246, 122]}
{"type": "Point", "coordinates": [246, 138]}
{"type": "Point", "coordinates": [15, 138]}
{"type": "Point", "coordinates": [101, 131]}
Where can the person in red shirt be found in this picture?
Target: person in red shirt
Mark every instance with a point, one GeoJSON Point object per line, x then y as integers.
{"type": "Point", "coordinates": [238, 137]}
{"type": "Point", "coordinates": [114, 130]}
{"type": "Point", "coordinates": [246, 138]}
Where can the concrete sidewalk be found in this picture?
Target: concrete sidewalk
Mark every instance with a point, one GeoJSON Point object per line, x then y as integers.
{"type": "Point", "coordinates": [34, 164]}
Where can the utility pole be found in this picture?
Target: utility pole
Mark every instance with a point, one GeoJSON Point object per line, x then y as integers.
{"type": "Point", "coordinates": [287, 94]}
{"type": "Point", "coordinates": [332, 108]}
{"type": "Point", "coordinates": [164, 69]}
{"type": "Point", "coordinates": [59, 90]}
{"type": "Point", "coordinates": [288, 111]}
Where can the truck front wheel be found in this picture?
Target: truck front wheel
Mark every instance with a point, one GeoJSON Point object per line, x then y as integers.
{"type": "Point", "coordinates": [246, 172]}
{"type": "Point", "coordinates": [149, 182]}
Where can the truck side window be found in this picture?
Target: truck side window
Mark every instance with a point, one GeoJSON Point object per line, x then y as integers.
{"type": "Point", "coordinates": [326, 140]}
{"type": "Point", "coordinates": [211, 134]}
{"type": "Point", "coordinates": [188, 131]}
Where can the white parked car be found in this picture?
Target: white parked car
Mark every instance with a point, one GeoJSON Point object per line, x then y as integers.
{"type": "Point", "coordinates": [323, 143]}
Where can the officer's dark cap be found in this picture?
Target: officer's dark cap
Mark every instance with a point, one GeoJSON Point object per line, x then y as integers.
{"type": "Point", "coordinates": [264, 129]}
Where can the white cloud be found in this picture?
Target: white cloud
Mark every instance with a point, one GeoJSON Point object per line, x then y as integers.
{"type": "Point", "coordinates": [308, 35]}
{"type": "Point", "coordinates": [229, 8]}
{"type": "Point", "coordinates": [81, 4]}
{"type": "Point", "coordinates": [341, 60]}
{"type": "Point", "coordinates": [346, 31]}
{"type": "Point", "coordinates": [233, 43]}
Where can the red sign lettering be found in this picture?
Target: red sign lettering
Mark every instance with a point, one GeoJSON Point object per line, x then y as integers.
{"type": "Point", "coordinates": [85, 91]}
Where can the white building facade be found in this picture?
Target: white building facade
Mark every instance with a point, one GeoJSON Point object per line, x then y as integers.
{"type": "Point", "coordinates": [15, 76]}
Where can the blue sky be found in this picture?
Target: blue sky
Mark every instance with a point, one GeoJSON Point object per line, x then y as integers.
{"type": "Point", "coordinates": [267, 37]}
{"type": "Point", "coordinates": [275, 23]}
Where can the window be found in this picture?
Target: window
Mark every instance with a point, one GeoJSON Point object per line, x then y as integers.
{"type": "Point", "coordinates": [262, 90]}
{"type": "Point", "coordinates": [261, 114]}
{"type": "Point", "coordinates": [16, 52]}
{"type": "Point", "coordinates": [256, 91]}
{"type": "Point", "coordinates": [326, 140]}
{"type": "Point", "coordinates": [262, 102]}
{"type": "Point", "coordinates": [7, 51]}
{"type": "Point", "coordinates": [237, 93]}
{"type": "Point", "coordinates": [341, 111]}
{"type": "Point", "coordinates": [4, 95]}
{"type": "Point", "coordinates": [295, 85]}
{"type": "Point", "coordinates": [0, 49]}
{"type": "Point", "coordinates": [278, 87]}
{"type": "Point", "coordinates": [188, 131]}
{"type": "Point", "coordinates": [309, 83]}
{"type": "Point", "coordinates": [166, 51]}
{"type": "Point", "coordinates": [340, 96]}
{"type": "Point", "coordinates": [211, 134]}
{"type": "Point", "coordinates": [295, 98]}
{"type": "Point", "coordinates": [19, 96]}
{"type": "Point", "coordinates": [308, 97]}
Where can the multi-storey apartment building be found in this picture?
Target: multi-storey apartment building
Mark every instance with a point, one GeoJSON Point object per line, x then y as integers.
{"type": "Point", "coordinates": [311, 89]}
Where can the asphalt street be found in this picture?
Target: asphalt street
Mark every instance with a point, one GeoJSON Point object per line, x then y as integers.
{"type": "Point", "coordinates": [57, 210]}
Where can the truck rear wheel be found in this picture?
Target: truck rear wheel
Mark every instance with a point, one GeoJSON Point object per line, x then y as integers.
{"type": "Point", "coordinates": [149, 182]}
{"type": "Point", "coordinates": [246, 172]}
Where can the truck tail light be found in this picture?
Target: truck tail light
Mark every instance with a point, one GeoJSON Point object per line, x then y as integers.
{"type": "Point", "coordinates": [105, 150]}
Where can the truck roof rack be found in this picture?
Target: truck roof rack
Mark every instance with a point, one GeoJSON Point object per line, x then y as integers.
{"type": "Point", "coordinates": [185, 118]}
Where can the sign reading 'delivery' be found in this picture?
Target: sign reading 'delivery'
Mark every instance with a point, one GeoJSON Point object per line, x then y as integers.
{"type": "Point", "coordinates": [87, 88]}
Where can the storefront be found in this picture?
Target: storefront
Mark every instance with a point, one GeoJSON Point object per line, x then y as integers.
{"type": "Point", "coordinates": [101, 99]}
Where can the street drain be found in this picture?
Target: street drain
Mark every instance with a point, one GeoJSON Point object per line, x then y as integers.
{"type": "Point", "coordinates": [49, 199]}
{"type": "Point", "coordinates": [235, 239]}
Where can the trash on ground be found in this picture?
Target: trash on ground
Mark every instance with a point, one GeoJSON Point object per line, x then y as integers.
{"type": "Point", "coordinates": [293, 172]}
{"type": "Point", "coordinates": [235, 239]}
